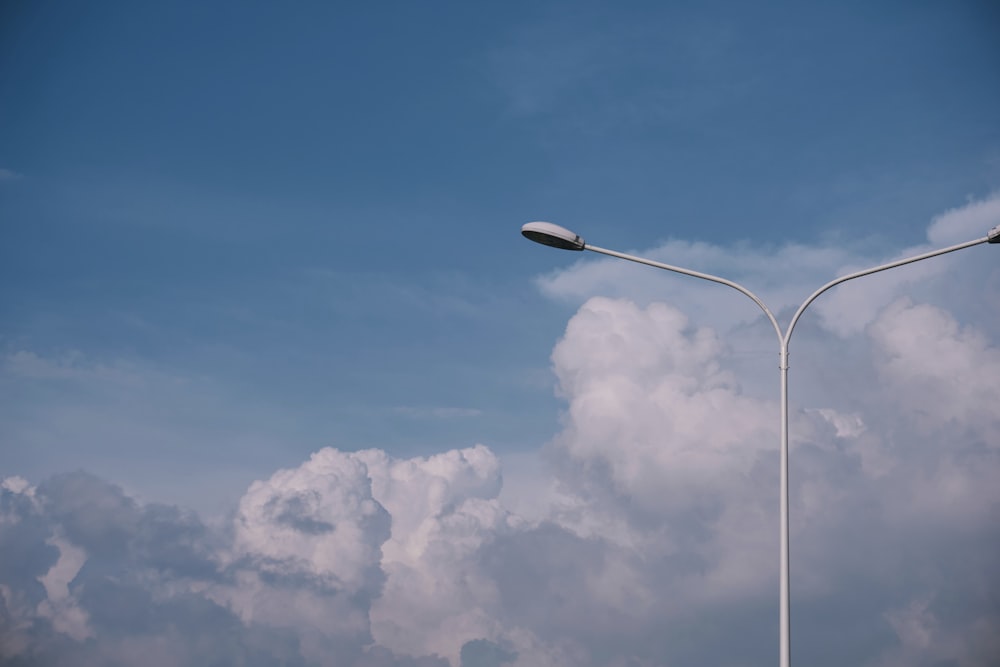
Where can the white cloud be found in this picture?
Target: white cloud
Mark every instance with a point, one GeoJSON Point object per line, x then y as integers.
{"type": "Point", "coordinates": [307, 552]}
{"type": "Point", "coordinates": [645, 398]}
{"type": "Point", "coordinates": [964, 223]}
{"type": "Point", "coordinates": [60, 606]}
{"type": "Point", "coordinates": [650, 537]}
{"type": "Point", "coordinates": [397, 537]}
{"type": "Point", "coordinates": [444, 508]}
{"type": "Point", "coordinates": [944, 372]}
{"type": "Point", "coordinates": [319, 520]}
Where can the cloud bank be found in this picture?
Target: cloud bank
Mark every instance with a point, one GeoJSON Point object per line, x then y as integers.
{"type": "Point", "coordinates": [652, 539]}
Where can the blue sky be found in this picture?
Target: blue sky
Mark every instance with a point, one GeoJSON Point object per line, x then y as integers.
{"type": "Point", "coordinates": [238, 233]}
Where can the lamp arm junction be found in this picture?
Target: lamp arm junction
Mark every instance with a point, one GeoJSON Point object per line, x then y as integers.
{"type": "Point", "coordinates": [876, 269]}
{"type": "Point", "coordinates": [784, 338]}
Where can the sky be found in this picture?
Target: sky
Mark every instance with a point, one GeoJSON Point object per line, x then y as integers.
{"type": "Point", "coordinates": [282, 384]}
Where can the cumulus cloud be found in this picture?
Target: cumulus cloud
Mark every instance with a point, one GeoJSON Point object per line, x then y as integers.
{"type": "Point", "coordinates": [650, 537]}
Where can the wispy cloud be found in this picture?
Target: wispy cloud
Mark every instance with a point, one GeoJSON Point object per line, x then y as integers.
{"type": "Point", "coordinates": [567, 63]}
{"type": "Point", "coordinates": [135, 420]}
{"type": "Point", "coordinates": [436, 412]}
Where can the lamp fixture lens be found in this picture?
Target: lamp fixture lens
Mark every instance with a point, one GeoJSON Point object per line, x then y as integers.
{"type": "Point", "coordinates": [552, 235]}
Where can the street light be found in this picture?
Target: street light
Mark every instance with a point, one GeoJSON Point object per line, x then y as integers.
{"type": "Point", "coordinates": [555, 236]}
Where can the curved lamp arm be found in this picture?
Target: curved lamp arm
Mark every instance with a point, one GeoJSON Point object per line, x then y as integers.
{"type": "Point", "coordinates": [992, 237]}
{"type": "Point", "coordinates": [555, 236]}
{"type": "Point", "coordinates": [696, 274]}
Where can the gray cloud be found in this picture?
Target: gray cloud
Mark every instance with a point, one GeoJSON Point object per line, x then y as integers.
{"type": "Point", "coordinates": [144, 592]}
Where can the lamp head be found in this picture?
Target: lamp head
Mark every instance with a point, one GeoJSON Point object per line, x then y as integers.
{"type": "Point", "coordinates": [552, 235]}
{"type": "Point", "coordinates": [993, 235]}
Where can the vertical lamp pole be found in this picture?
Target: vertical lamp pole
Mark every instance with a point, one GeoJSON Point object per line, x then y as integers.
{"type": "Point", "coordinates": [555, 236]}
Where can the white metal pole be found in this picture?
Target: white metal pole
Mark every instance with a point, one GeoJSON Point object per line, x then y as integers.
{"type": "Point", "coordinates": [784, 591]}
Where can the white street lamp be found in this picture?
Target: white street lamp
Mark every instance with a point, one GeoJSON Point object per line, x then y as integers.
{"type": "Point", "coordinates": [549, 234]}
